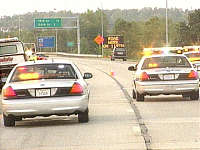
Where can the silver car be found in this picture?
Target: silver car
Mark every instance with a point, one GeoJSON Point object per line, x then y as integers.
{"type": "Point", "coordinates": [165, 74]}
{"type": "Point", "coordinates": [44, 88]}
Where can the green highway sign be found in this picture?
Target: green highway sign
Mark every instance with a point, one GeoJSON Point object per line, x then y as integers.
{"type": "Point", "coordinates": [48, 23]}
{"type": "Point", "coordinates": [70, 44]}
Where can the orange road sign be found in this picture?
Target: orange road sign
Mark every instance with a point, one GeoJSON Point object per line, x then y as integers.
{"type": "Point", "coordinates": [99, 39]}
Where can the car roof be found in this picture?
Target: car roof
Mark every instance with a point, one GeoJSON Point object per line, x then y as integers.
{"type": "Point", "coordinates": [49, 61]}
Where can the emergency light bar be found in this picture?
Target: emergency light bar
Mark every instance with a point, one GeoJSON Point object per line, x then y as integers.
{"type": "Point", "coordinates": [191, 48]}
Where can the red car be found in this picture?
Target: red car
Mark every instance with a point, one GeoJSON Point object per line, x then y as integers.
{"type": "Point", "coordinates": [41, 57]}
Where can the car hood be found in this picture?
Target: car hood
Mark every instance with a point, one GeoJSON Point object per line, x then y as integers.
{"type": "Point", "coordinates": [42, 84]}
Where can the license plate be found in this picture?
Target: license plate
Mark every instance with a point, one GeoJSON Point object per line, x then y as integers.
{"type": "Point", "coordinates": [42, 92]}
{"type": "Point", "coordinates": [168, 77]}
{"type": "Point", "coordinates": [120, 53]}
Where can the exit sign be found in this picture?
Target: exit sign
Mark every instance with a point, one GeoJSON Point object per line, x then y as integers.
{"type": "Point", "coordinates": [48, 23]}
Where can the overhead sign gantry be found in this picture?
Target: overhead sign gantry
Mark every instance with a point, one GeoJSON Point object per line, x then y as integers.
{"type": "Point", "coordinates": [57, 24]}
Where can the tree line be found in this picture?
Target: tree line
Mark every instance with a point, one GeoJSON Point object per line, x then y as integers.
{"type": "Point", "coordinates": [140, 28]}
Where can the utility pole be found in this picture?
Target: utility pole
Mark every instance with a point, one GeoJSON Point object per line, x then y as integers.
{"type": "Point", "coordinates": [102, 29]}
{"type": "Point", "coordinates": [19, 34]}
{"type": "Point", "coordinates": [167, 25]}
{"type": "Point", "coordinates": [78, 35]}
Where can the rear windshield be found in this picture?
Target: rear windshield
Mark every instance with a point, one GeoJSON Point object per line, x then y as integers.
{"type": "Point", "coordinates": [44, 71]}
{"type": "Point", "coordinates": [8, 49]}
{"type": "Point", "coordinates": [167, 61]}
{"type": "Point", "coordinates": [191, 55]}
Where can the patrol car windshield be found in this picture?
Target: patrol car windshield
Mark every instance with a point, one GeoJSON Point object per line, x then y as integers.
{"type": "Point", "coordinates": [44, 71]}
{"type": "Point", "coordinates": [167, 61]}
{"type": "Point", "coordinates": [8, 49]}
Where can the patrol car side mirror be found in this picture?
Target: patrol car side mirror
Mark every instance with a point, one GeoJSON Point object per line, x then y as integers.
{"type": "Point", "coordinates": [198, 68]}
{"type": "Point", "coordinates": [87, 75]}
{"type": "Point", "coordinates": [132, 68]}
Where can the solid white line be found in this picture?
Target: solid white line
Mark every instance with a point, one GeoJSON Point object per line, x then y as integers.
{"type": "Point", "coordinates": [174, 120]}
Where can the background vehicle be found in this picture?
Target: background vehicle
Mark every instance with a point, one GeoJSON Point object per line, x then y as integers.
{"type": "Point", "coordinates": [11, 53]}
{"type": "Point", "coordinates": [165, 74]}
{"type": "Point", "coordinates": [45, 88]}
{"type": "Point", "coordinates": [191, 48]}
{"type": "Point", "coordinates": [119, 53]}
{"type": "Point", "coordinates": [194, 58]}
{"type": "Point", "coordinates": [41, 56]}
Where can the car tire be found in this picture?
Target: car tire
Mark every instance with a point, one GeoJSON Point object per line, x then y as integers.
{"type": "Point", "coordinates": [9, 121]}
{"type": "Point", "coordinates": [185, 95]}
{"type": "Point", "coordinates": [194, 95]}
{"type": "Point", "coordinates": [133, 94]}
{"type": "Point", "coordinates": [83, 117]}
{"type": "Point", "coordinates": [139, 97]}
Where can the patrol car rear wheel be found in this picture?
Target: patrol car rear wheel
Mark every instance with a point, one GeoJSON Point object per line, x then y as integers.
{"type": "Point", "coordinates": [9, 121]}
{"type": "Point", "coordinates": [139, 97]}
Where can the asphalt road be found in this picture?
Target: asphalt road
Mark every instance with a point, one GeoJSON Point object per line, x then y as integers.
{"type": "Point", "coordinates": [112, 125]}
{"type": "Point", "coordinates": [173, 123]}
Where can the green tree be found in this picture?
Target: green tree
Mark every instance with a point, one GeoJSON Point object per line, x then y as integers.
{"type": "Point", "coordinates": [154, 32]}
{"type": "Point", "coordinates": [194, 25]}
{"type": "Point", "coordinates": [183, 34]}
{"type": "Point", "coordinates": [131, 31]}
{"type": "Point", "coordinates": [90, 24]}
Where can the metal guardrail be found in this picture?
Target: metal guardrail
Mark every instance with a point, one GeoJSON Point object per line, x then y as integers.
{"type": "Point", "coordinates": [71, 55]}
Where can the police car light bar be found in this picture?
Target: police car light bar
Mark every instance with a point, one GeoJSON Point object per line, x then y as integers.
{"type": "Point", "coordinates": [15, 39]}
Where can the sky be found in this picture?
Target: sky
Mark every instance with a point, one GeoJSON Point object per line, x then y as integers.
{"type": "Point", "coordinates": [16, 7]}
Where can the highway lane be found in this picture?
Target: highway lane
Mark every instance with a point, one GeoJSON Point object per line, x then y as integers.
{"type": "Point", "coordinates": [112, 125]}
{"type": "Point", "coordinates": [172, 122]}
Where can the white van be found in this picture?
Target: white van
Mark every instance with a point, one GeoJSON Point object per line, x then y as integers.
{"type": "Point", "coordinates": [11, 53]}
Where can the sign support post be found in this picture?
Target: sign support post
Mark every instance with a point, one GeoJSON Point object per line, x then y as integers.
{"type": "Point", "coordinates": [78, 35]}
{"type": "Point", "coordinates": [56, 42]}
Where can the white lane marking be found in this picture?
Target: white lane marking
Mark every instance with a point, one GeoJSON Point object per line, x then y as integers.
{"type": "Point", "coordinates": [176, 145]}
{"type": "Point", "coordinates": [174, 120]}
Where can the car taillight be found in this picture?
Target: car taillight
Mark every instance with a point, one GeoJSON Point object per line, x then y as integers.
{"type": "Point", "coordinates": [193, 75]}
{"type": "Point", "coordinates": [144, 76]}
{"type": "Point", "coordinates": [76, 89]}
{"type": "Point", "coordinates": [9, 93]}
